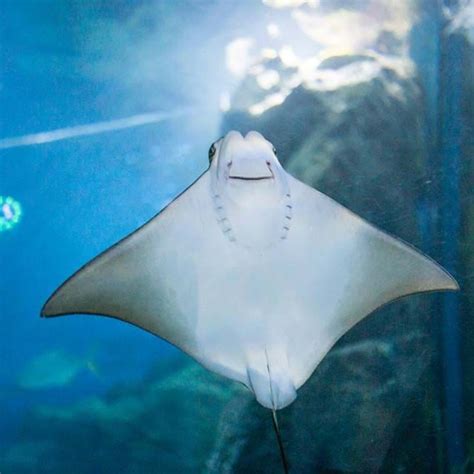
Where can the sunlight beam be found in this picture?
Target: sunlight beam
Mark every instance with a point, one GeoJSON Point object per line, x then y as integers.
{"type": "Point", "coordinates": [90, 129]}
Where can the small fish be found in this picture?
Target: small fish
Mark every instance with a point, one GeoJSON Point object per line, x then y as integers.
{"type": "Point", "coordinates": [53, 369]}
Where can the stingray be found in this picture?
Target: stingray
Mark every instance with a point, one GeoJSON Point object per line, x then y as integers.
{"type": "Point", "coordinates": [251, 272]}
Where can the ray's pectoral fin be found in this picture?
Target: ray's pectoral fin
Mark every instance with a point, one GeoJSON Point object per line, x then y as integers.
{"type": "Point", "coordinates": [387, 269]}
{"type": "Point", "coordinates": [104, 286]}
{"type": "Point", "coordinates": [378, 269]}
{"type": "Point", "coordinates": [135, 281]}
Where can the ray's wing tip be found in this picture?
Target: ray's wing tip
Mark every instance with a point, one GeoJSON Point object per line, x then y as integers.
{"type": "Point", "coordinates": [448, 282]}
{"type": "Point", "coordinates": [453, 284]}
{"type": "Point", "coordinates": [53, 307]}
{"type": "Point", "coordinates": [437, 277]}
{"type": "Point", "coordinates": [46, 310]}
{"type": "Point", "coordinates": [49, 311]}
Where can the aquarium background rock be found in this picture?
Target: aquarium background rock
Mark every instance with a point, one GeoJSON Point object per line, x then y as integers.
{"type": "Point", "coordinates": [166, 423]}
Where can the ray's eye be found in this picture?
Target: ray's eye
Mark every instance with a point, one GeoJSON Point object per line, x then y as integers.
{"type": "Point", "coordinates": [212, 152]}
{"type": "Point", "coordinates": [274, 151]}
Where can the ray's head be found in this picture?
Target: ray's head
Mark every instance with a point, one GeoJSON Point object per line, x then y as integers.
{"type": "Point", "coordinates": [251, 159]}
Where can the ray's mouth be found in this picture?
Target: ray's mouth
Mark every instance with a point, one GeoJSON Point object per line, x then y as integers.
{"type": "Point", "coordinates": [251, 178]}
{"type": "Point", "coordinates": [244, 173]}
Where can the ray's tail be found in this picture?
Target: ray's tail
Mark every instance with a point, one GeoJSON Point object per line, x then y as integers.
{"type": "Point", "coordinates": [284, 460]}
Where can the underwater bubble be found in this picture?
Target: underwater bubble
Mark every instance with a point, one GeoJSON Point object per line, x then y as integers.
{"type": "Point", "coordinates": [10, 213]}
